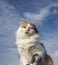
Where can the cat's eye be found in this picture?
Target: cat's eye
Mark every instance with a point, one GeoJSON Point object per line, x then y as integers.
{"type": "Point", "coordinates": [24, 27]}
{"type": "Point", "coordinates": [31, 28]}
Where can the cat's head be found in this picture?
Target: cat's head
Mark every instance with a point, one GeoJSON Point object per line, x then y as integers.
{"type": "Point", "coordinates": [26, 28]}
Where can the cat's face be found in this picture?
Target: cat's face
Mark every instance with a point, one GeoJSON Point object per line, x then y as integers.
{"type": "Point", "coordinates": [27, 28]}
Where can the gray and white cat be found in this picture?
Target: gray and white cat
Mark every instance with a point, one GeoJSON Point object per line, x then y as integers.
{"type": "Point", "coordinates": [31, 51]}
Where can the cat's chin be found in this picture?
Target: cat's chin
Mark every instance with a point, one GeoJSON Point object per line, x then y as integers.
{"type": "Point", "coordinates": [26, 36]}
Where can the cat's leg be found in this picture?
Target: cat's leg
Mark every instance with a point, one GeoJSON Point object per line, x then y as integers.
{"type": "Point", "coordinates": [24, 61]}
{"type": "Point", "coordinates": [36, 58]}
{"type": "Point", "coordinates": [20, 62]}
{"type": "Point", "coordinates": [48, 60]}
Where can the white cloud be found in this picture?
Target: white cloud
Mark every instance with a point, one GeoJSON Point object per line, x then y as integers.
{"type": "Point", "coordinates": [8, 56]}
{"type": "Point", "coordinates": [43, 13]}
{"type": "Point", "coordinates": [53, 4]}
{"type": "Point", "coordinates": [37, 17]}
{"type": "Point", "coordinates": [55, 54]}
{"type": "Point", "coordinates": [9, 20]}
{"type": "Point", "coordinates": [50, 40]}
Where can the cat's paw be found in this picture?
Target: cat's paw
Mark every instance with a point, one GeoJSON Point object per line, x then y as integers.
{"type": "Point", "coordinates": [36, 58]}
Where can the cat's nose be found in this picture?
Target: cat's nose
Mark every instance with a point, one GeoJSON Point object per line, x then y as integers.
{"type": "Point", "coordinates": [27, 31]}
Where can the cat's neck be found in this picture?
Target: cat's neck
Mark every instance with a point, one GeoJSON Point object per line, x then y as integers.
{"type": "Point", "coordinates": [35, 36]}
{"type": "Point", "coordinates": [32, 38]}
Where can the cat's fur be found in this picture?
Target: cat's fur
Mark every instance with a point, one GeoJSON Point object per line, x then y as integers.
{"type": "Point", "coordinates": [30, 50]}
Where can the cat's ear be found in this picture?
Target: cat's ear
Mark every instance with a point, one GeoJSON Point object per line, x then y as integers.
{"type": "Point", "coordinates": [35, 23]}
{"type": "Point", "coordinates": [22, 21]}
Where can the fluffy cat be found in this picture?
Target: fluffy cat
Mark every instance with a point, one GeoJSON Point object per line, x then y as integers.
{"type": "Point", "coordinates": [31, 51]}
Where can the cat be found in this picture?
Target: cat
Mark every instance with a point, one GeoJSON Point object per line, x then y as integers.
{"type": "Point", "coordinates": [30, 50]}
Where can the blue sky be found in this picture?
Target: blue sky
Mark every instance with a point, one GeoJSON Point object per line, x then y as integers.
{"type": "Point", "coordinates": [44, 12]}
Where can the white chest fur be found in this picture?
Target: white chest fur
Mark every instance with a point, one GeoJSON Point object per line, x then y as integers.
{"type": "Point", "coordinates": [27, 47]}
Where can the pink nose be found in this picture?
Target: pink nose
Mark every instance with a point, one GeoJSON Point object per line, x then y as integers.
{"type": "Point", "coordinates": [27, 31]}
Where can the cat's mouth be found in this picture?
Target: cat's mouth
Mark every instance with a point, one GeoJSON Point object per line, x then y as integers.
{"type": "Point", "coordinates": [26, 36]}
{"type": "Point", "coordinates": [26, 32]}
